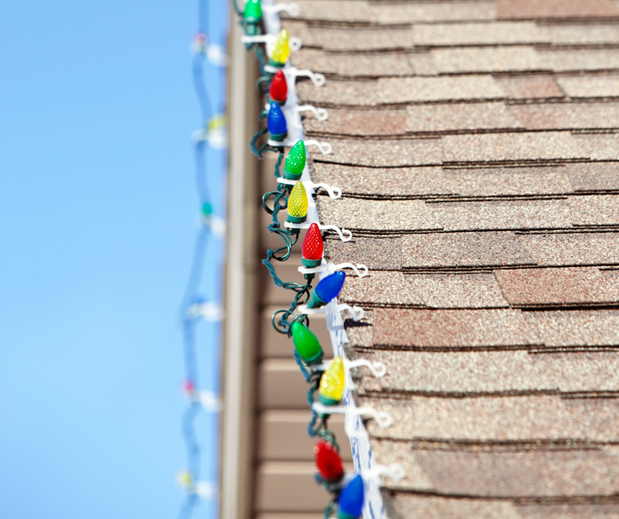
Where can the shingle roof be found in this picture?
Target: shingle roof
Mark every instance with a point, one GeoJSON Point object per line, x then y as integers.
{"type": "Point", "coordinates": [476, 146]}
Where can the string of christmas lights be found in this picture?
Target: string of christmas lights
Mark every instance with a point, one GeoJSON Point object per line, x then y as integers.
{"type": "Point", "coordinates": [328, 380]}
{"type": "Point", "coordinates": [201, 305]}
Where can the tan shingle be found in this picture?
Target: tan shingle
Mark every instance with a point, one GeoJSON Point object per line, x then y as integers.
{"type": "Point", "coordinates": [480, 182]}
{"type": "Point", "coordinates": [459, 373]}
{"type": "Point", "coordinates": [388, 91]}
{"type": "Point", "coordinates": [478, 34]}
{"type": "Point", "coordinates": [595, 210]}
{"type": "Point", "coordinates": [576, 510]}
{"type": "Point", "coordinates": [578, 328]}
{"type": "Point", "coordinates": [499, 419]}
{"type": "Point", "coordinates": [394, 14]}
{"type": "Point", "coordinates": [447, 117]}
{"type": "Point", "coordinates": [590, 86]}
{"type": "Point", "coordinates": [384, 153]}
{"type": "Point", "coordinates": [529, 87]}
{"type": "Point", "coordinates": [452, 328]}
{"type": "Point", "coordinates": [435, 11]}
{"type": "Point", "coordinates": [428, 290]}
{"type": "Point", "coordinates": [520, 474]}
{"type": "Point", "coordinates": [486, 59]}
{"type": "Point", "coordinates": [566, 115]}
{"type": "Point", "coordinates": [601, 176]}
{"type": "Point", "coordinates": [439, 507]}
{"type": "Point", "coordinates": [599, 146]}
{"type": "Point", "coordinates": [531, 9]}
{"type": "Point", "coordinates": [360, 123]}
{"type": "Point", "coordinates": [363, 65]}
{"type": "Point", "coordinates": [511, 147]}
{"type": "Point", "coordinates": [394, 215]}
{"type": "Point", "coordinates": [461, 251]}
{"type": "Point", "coordinates": [383, 181]}
{"type": "Point", "coordinates": [572, 248]}
{"type": "Point", "coordinates": [564, 34]}
{"type": "Point", "coordinates": [577, 286]}
{"type": "Point", "coordinates": [518, 215]}
{"type": "Point", "coordinates": [336, 11]}
{"type": "Point", "coordinates": [378, 253]}
{"type": "Point", "coordinates": [573, 60]}
{"type": "Point", "coordinates": [352, 38]}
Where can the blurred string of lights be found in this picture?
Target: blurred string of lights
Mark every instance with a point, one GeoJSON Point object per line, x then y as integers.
{"type": "Point", "coordinates": [200, 476]}
{"type": "Point", "coordinates": [326, 380]}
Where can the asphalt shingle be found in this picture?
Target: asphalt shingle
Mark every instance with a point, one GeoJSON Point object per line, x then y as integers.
{"type": "Point", "coordinates": [393, 91]}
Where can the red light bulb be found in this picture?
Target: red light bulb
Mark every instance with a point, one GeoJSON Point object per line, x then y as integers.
{"type": "Point", "coordinates": [311, 252]}
{"type": "Point", "coordinates": [279, 89]}
{"type": "Point", "coordinates": [328, 461]}
{"type": "Point", "coordinates": [188, 387]}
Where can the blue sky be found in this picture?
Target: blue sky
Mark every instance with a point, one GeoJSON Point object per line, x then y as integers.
{"type": "Point", "coordinates": [97, 222]}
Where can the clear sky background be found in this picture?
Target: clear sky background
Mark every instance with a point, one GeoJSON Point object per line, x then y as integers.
{"type": "Point", "coordinates": [97, 222]}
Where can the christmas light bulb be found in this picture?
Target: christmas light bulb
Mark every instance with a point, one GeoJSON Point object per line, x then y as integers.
{"type": "Point", "coordinates": [276, 123]}
{"type": "Point", "coordinates": [207, 209]}
{"type": "Point", "coordinates": [295, 161]}
{"type": "Point", "coordinates": [328, 461]}
{"type": "Point", "coordinates": [297, 204]}
{"type": "Point", "coordinates": [253, 11]}
{"type": "Point", "coordinates": [278, 91]}
{"type": "Point", "coordinates": [185, 479]}
{"type": "Point", "coordinates": [350, 500]}
{"type": "Point", "coordinates": [281, 50]}
{"type": "Point", "coordinates": [332, 383]}
{"type": "Point", "coordinates": [188, 387]}
{"type": "Point", "coordinates": [306, 344]}
{"type": "Point", "coordinates": [312, 249]}
{"type": "Point", "coordinates": [200, 42]}
{"type": "Point", "coordinates": [328, 288]}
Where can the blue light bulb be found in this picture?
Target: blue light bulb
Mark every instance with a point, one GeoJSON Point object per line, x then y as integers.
{"type": "Point", "coordinates": [330, 286]}
{"type": "Point", "coordinates": [350, 502]}
{"type": "Point", "coordinates": [276, 122]}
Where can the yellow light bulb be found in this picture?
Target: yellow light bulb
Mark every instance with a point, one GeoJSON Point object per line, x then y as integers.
{"type": "Point", "coordinates": [297, 204]}
{"type": "Point", "coordinates": [281, 50]}
{"type": "Point", "coordinates": [185, 479]}
{"type": "Point", "coordinates": [332, 383]}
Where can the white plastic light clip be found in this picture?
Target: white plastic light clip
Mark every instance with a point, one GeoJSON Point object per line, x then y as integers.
{"type": "Point", "coordinates": [292, 73]}
{"type": "Point", "coordinates": [378, 369]}
{"type": "Point", "coordinates": [324, 147]}
{"type": "Point", "coordinates": [331, 268]}
{"type": "Point", "coordinates": [344, 234]}
{"type": "Point", "coordinates": [217, 225]}
{"type": "Point", "coordinates": [209, 311]}
{"type": "Point", "coordinates": [382, 419]}
{"type": "Point", "coordinates": [216, 55]}
{"type": "Point", "coordinates": [355, 312]}
{"type": "Point", "coordinates": [394, 471]}
{"type": "Point", "coordinates": [334, 192]}
{"type": "Point", "coordinates": [209, 401]}
{"type": "Point", "coordinates": [291, 9]}
{"type": "Point", "coordinates": [206, 490]}
{"type": "Point", "coordinates": [320, 113]}
{"type": "Point", "coordinates": [269, 40]}
{"type": "Point", "coordinates": [216, 137]}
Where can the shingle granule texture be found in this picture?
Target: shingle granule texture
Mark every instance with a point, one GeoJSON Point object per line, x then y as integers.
{"type": "Point", "coordinates": [476, 144]}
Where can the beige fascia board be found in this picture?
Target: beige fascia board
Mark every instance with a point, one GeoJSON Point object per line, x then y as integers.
{"type": "Point", "coordinates": [241, 309]}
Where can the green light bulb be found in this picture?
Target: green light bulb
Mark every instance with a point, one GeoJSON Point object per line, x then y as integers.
{"type": "Point", "coordinates": [295, 161]}
{"type": "Point", "coordinates": [253, 11]}
{"type": "Point", "coordinates": [207, 209]}
{"type": "Point", "coordinates": [306, 344]}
